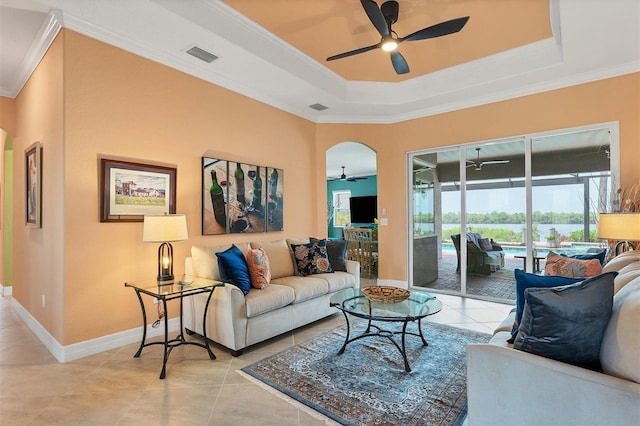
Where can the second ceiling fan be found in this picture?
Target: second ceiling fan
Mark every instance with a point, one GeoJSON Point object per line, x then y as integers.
{"type": "Point", "coordinates": [383, 18]}
{"type": "Point", "coordinates": [344, 176]}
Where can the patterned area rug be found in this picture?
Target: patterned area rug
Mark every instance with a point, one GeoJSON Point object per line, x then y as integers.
{"type": "Point", "coordinates": [367, 384]}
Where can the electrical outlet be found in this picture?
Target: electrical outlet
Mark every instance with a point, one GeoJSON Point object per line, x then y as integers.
{"type": "Point", "coordinates": [44, 301]}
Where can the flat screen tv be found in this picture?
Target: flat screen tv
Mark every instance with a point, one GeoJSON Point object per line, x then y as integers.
{"type": "Point", "coordinates": [363, 209]}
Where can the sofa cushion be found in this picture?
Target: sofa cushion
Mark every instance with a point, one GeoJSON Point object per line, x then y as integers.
{"type": "Point", "coordinates": [305, 288]}
{"type": "Point", "coordinates": [336, 252]}
{"type": "Point", "coordinates": [622, 260]}
{"type": "Point", "coordinates": [525, 280]}
{"type": "Point", "coordinates": [338, 280]}
{"type": "Point", "coordinates": [273, 297]}
{"type": "Point", "coordinates": [259, 270]}
{"type": "Point", "coordinates": [312, 258]}
{"type": "Point", "coordinates": [567, 323]}
{"type": "Point", "coordinates": [620, 349]}
{"type": "Point", "coordinates": [567, 267]}
{"type": "Point", "coordinates": [625, 276]}
{"type": "Point", "coordinates": [279, 257]}
{"type": "Point", "coordinates": [290, 242]}
{"type": "Point", "coordinates": [233, 268]}
{"type": "Point", "coordinates": [205, 262]}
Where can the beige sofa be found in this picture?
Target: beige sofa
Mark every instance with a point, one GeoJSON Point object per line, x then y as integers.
{"type": "Point", "coordinates": [290, 301]}
{"type": "Point", "coordinates": [511, 387]}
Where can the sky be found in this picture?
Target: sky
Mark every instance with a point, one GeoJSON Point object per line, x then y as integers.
{"type": "Point", "coordinates": [558, 199]}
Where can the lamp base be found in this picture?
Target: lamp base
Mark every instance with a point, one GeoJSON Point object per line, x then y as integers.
{"type": "Point", "coordinates": [165, 278]}
{"type": "Point", "coordinates": [623, 246]}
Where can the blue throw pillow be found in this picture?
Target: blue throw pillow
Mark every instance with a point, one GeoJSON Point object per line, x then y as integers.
{"type": "Point", "coordinates": [589, 256]}
{"type": "Point", "coordinates": [524, 281]}
{"type": "Point", "coordinates": [233, 268]}
{"type": "Point", "coordinates": [567, 323]}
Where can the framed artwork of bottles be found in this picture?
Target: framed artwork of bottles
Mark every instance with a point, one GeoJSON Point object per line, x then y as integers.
{"type": "Point", "coordinates": [239, 197]}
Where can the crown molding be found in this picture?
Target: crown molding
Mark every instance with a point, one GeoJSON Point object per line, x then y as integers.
{"type": "Point", "coordinates": [36, 52]}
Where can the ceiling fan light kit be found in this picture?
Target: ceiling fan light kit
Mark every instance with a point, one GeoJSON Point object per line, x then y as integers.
{"type": "Point", "coordinates": [383, 18]}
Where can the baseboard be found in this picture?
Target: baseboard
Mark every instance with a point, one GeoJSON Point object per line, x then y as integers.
{"type": "Point", "coordinates": [6, 290]}
{"type": "Point", "coordinates": [88, 347]}
{"type": "Point", "coordinates": [394, 283]}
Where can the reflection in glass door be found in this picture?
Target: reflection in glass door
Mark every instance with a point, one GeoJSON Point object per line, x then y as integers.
{"type": "Point", "coordinates": [495, 213]}
{"type": "Point", "coordinates": [436, 193]}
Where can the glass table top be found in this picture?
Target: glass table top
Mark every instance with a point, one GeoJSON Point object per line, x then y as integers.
{"type": "Point", "coordinates": [169, 289]}
{"type": "Point", "coordinates": [418, 305]}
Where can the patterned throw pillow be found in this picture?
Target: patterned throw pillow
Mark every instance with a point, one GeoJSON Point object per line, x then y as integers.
{"type": "Point", "coordinates": [336, 253]}
{"type": "Point", "coordinates": [312, 258]}
{"type": "Point", "coordinates": [568, 267]}
{"type": "Point", "coordinates": [259, 269]}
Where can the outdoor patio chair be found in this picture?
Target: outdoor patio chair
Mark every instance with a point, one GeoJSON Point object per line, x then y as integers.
{"type": "Point", "coordinates": [483, 257]}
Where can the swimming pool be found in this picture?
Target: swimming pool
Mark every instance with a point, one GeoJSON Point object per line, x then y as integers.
{"type": "Point", "coordinates": [540, 251]}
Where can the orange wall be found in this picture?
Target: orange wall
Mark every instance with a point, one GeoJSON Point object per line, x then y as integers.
{"type": "Point", "coordinates": [38, 253]}
{"type": "Point", "coordinates": [112, 103]}
{"type": "Point", "coordinates": [8, 115]}
{"type": "Point", "coordinates": [615, 99]}
{"type": "Point", "coordinates": [119, 104]}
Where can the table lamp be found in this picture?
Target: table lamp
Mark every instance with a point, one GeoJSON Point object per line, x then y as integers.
{"type": "Point", "coordinates": [622, 227]}
{"type": "Point", "coordinates": [163, 229]}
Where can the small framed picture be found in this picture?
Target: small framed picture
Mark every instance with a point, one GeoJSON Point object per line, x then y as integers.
{"type": "Point", "coordinates": [33, 190]}
{"type": "Point", "coordinates": [129, 190]}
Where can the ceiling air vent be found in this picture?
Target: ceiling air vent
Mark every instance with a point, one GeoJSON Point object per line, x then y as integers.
{"type": "Point", "coordinates": [318, 107]}
{"type": "Point", "coordinates": [202, 54]}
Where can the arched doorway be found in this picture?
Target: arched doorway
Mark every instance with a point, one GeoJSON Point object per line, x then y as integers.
{"type": "Point", "coordinates": [352, 188]}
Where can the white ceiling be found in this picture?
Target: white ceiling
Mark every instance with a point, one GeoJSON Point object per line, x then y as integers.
{"type": "Point", "coordinates": [592, 39]}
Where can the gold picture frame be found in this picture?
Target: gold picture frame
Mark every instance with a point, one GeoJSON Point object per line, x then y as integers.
{"type": "Point", "coordinates": [33, 185]}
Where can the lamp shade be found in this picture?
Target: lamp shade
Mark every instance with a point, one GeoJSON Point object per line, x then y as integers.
{"type": "Point", "coordinates": [619, 226]}
{"type": "Point", "coordinates": [164, 228]}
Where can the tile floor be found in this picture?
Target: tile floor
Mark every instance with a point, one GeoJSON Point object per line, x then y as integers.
{"type": "Point", "coordinates": [112, 388]}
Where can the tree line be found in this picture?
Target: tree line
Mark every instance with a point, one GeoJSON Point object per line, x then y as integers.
{"type": "Point", "coordinates": [508, 218]}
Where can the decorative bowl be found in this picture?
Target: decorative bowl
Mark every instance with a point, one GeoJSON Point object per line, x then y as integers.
{"type": "Point", "coordinates": [385, 294]}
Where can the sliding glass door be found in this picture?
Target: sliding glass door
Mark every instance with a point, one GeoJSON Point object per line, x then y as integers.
{"type": "Point", "coordinates": [482, 210]}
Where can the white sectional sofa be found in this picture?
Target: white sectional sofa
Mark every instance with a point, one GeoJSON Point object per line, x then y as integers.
{"type": "Point", "coordinates": [511, 387]}
{"type": "Point", "coordinates": [290, 301]}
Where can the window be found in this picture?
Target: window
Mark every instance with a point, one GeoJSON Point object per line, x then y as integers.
{"type": "Point", "coordinates": [341, 214]}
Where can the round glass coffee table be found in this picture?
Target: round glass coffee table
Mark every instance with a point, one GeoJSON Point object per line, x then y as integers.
{"type": "Point", "coordinates": [418, 305]}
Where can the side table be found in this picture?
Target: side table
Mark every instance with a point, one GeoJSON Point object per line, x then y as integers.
{"type": "Point", "coordinates": [170, 290]}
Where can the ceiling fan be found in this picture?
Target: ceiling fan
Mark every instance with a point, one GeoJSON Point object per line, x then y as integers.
{"type": "Point", "coordinates": [477, 164]}
{"type": "Point", "coordinates": [343, 176]}
{"type": "Point", "coordinates": [386, 15]}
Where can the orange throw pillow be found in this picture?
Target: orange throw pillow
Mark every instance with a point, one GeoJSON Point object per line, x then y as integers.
{"type": "Point", "coordinates": [568, 267]}
{"type": "Point", "coordinates": [259, 269]}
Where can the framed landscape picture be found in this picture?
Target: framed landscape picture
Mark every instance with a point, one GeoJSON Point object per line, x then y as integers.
{"type": "Point", "coordinates": [129, 190]}
{"type": "Point", "coordinates": [33, 187]}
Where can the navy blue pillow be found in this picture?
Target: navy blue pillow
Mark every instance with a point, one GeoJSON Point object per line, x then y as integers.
{"type": "Point", "coordinates": [524, 281]}
{"type": "Point", "coordinates": [233, 268]}
{"type": "Point", "coordinates": [589, 256]}
{"type": "Point", "coordinates": [567, 323]}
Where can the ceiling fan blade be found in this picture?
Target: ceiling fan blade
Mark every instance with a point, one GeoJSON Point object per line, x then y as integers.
{"type": "Point", "coordinates": [438, 30]}
{"type": "Point", "coordinates": [353, 52]}
{"type": "Point", "coordinates": [495, 162]}
{"type": "Point", "coordinates": [375, 16]}
{"type": "Point", "coordinates": [399, 63]}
